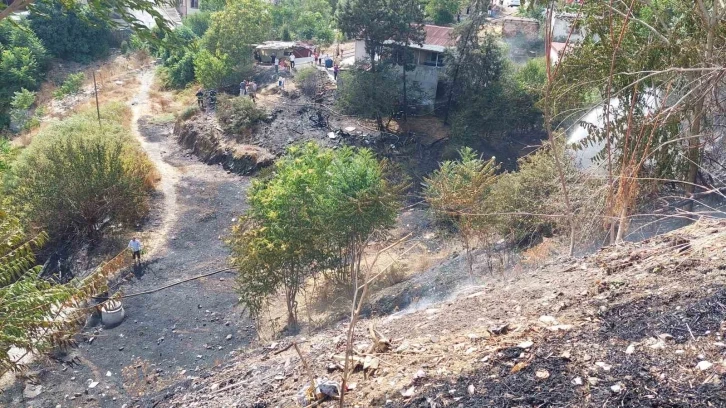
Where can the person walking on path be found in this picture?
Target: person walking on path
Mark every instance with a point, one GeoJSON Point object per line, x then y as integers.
{"type": "Point", "coordinates": [336, 69]}
{"type": "Point", "coordinates": [243, 88]}
{"type": "Point", "coordinates": [135, 247]}
{"type": "Point", "coordinates": [281, 82]}
{"type": "Point", "coordinates": [200, 98]}
{"type": "Point", "coordinates": [292, 61]}
{"type": "Point", "coordinates": [252, 91]}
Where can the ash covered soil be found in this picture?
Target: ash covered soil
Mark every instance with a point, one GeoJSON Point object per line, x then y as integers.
{"type": "Point", "coordinates": [634, 325]}
{"type": "Point", "coordinates": [172, 334]}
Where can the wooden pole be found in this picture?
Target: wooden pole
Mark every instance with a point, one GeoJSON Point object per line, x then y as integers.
{"type": "Point", "coordinates": [95, 91]}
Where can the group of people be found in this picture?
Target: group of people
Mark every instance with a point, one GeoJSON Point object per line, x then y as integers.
{"type": "Point", "coordinates": [211, 98]}
{"type": "Point", "coordinates": [248, 87]}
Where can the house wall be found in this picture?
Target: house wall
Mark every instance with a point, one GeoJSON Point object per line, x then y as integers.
{"type": "Point", "coordinates": [427, 80]}
{"type": "Point", "coordinates": [511, 27]}
{"type": "Point", "coordinates": [561, 27]}
{"type": "Point", "coordinates": [184, 7]}
{"type": "Point", "coordinates": [360, 50]}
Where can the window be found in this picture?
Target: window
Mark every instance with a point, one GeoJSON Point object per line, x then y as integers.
{"type": "Point", "coordinates": [194, 4]}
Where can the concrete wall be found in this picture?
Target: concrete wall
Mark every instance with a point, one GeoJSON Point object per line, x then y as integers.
{"type": "Point", "coordinates": [427, 80]}
{"type": "Point", "coordinates": [561, 26]}
{"type": "Point", "coordinates": [360, 50]}
{"type": "Point", "coordinates": [513, 26]}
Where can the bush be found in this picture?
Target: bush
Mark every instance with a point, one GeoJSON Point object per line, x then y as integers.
{"type": "Point", "coordinates": [198, 22]}
{"type": "Point", "coordinates": [308, 79]}
{"type": "Point", "coordinates": [316, 213]}
{"type": "Point", "coordinates": [23, 62]}
{"type": "Point", "coordinates": [72, 85]}
{"type": "Point", "coordinates": [177, 52]}
{"type": "Point", "coordinates": [238, 115]}
{"type": "Point", "coordinates": [368, 94]}
{"type": "Point", "coordinates": [75, 177]}
{"type": "Point", "coordinates": [74, 34]}
{"type": "Point", "coordinates": [20, 110]}
{"type": "Point", "coordinates": [442, 12]}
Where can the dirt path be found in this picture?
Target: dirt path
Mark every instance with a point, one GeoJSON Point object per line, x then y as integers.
{"type": "Point", "coordinates": [169, 174]}
{"type": "Point", "coordinates": [170, 335]}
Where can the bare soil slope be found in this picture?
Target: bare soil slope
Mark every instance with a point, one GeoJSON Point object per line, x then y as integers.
{"type": "Point", "coordinates": [637, 325]}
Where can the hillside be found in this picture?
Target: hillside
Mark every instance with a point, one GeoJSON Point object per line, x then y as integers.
{"type": "Point", "coordinates": [637, 324]}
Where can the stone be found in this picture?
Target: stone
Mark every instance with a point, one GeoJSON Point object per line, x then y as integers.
{"type": "Point", "coordinates": [31, 391]}
{"type": "Point", "coordinates": [548, 320]}
{"type": "Point", "coordinates": [616, 388]}
{"type": "Point", "coordinates": [577, 381]}
{"type": "Point", "coordinates": [471, 389]}
{"type": "Point", "coordinates": [603, 365]}
{"type": "Point", "coordinates": [704, 365]}
{"type": "Point", "coordinates": [630, 349]}
{"type": "Point", "coordinates": [542, 374]}
{"type": "Point", "coordinates": [108, 374]}
{"type": "Point", "coordinates": [525, 344]}
{"type": "Point", "coordinates": [229, 337]}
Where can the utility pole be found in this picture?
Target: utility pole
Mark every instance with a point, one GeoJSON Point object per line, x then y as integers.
{"type": "Point", "coordinates": [95, 91]}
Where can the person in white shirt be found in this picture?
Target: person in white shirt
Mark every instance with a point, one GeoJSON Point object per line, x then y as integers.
{"type": "Point", "coordinates": [292, 61]}
{"type": "Point", "coordinates": [135, 247]}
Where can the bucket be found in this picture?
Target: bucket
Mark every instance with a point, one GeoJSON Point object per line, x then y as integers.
{"type": "Point", "coordinates": [112, 313]}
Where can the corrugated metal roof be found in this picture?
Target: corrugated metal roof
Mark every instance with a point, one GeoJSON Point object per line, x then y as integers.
{"type": "Point", "coordinates": [441, 36]}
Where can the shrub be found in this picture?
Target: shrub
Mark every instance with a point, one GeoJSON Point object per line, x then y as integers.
{"type": "Point", "coordinates": [75, 177]}
{"type": "Point", "coordinates": [177, 52]}
{"type": "Point", "coordinates": [308, 79]}
{"type": "Point", "coordinates": [457, 190]}
{"type": "Point", "coordinates": [72, 85]}
{"type": "Point", "coordinates": [442, 12]}
{"type": "Point", "coordinates": [368, 94]}
{"type": "Point", "coordinates": [70, 33]}
{"type": "Point", "coordinates": [237, 115]}
{"type": "Point", "coordinates": [198, 22]}
{"type": "Point", "coordinates": [317, 212]}
{"type": "Point", "coordinates": [20, 109]}
{"type": "Point", "coordinates": [189, 112]}
{"type": "Point", "coordinates": [23, 62]}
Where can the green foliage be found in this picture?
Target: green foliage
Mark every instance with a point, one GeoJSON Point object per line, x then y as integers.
{"type": "Point", "coordinates": [368, 94]}
{"type": "Point", "coordinates": [72, 85]}
{"type": "Point", "coordinates": [227, 45]}
{"type": "Point", "coordinates": [488, 101]}
{"type": "Point", "coordinates": [238, 115]}
{"type": "Point", "coordinates": [138, 43]}
{"type": "Point", "coordinates": [177, 52]}
{"type": "Point", "coordinates": [198, 22]}
{"type": "Point", "coordinates": [315, 213]}
{"type": "Point", "coordinates": [532, 76]}
{"type": "Point", "coordinates": [20, 118]}
{"type": "Point", "coordinates": [73, 34]}
{"type": "Point", "coordinates": [308, 79]}
{"type": "Point", "coordinates": [101, 175]}
{"type": "Point", "coordinates": [303, 20]}
{"type": "Point", "coordinates": [23, 62]}
{"type": "Point", "coordinates": [37, 315]}
{"type": "Point", "coordinates": [212, 5]}
{"type": "Point", "coordinates": [188, 112]}
{"type": "Point", "coordinates": [457, 190]}
{"type": "Point", "coordinates": [443, 12]}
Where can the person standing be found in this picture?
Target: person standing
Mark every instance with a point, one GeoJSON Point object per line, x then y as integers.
{"type": "Point", "coordinates": [243, 88]}
{"type": "Point", "coordinates": [336, 69]}
{"type": "Point", "coordinates": [292, 61]}
{"type": "Point", "coordinates": [272, 58]}
{"type": "Point", "coordinates": [200, 98]}
{"type": "Point", "coordinates": [135, 247]}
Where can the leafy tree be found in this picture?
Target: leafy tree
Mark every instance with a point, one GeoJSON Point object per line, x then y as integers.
{"type": "Point", "coordinates": [23, 62]}
{"type": "Point", "coordinates": [227, 44]}
{"type": "Point", "coordinates": [369, 94]}
{"type": "Point", "coordinates": [101, 175]}
{"type": "Point", "coordinates": [70, 33]}
{"type": "Point", "coordinates": [443, 12]}
{"type": "Point", "coordinates": [457, 190]}
{"type": "Point", "coordinates": [303, 20]}
{"type": "Point", "coordinates": [177, 52]}
{"type": "Point", "coordinates": [315, 213]}
{"type": "Point", "coordinates": [198, 22]}
{"type": "Point", "coordinates": [212, 5]}
{"type": "Point", "coordinates": [20, 109]}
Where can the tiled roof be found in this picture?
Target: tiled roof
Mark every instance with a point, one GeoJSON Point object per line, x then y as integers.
{"type": "Point", "coordinates": [441, 36]}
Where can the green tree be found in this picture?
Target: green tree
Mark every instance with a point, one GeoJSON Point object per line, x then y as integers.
{"type": "Point", "coordinates": [73, 34]}
{"type": "Point", "coordinates": [303, 20]}
{"type": "Point", "coordinates": [101, 174]}
{"type": "Point", "coordinates": [177, 52]}
{"type": "Point", "coordinates": [198, 22]}
{"type": "Point", "coordinates": [369, 94]}
{"type": "Point", "coordinates": [443, 12]}
{"type": "Point", "coordinates": [229, 41]}
{"type": "Point", "coordinates": [457, 191]}
{"type": "Point", "coordinates": [316, 213]}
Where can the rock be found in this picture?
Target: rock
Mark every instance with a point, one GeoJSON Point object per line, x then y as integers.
{"type": "Point", "coordinates": [542, 374]}
{"type": "Point", "coordinates": [665, 336]}
{"type": "Point", "coordinates": [419, 374]}
{"type": "Point", "coordinates": [593, 381]}
{"type": "Point", "coordinates": [498, 330]}
{"type": "Point", "coordinates": [560, 327]}
{"type": "Point", "coordinates": [229, 337]}
{"type": "Point", "coordinates": [525, 344]}
{"type": "Point", "coordinates": [331, 135]}
{"type": "Point", "coordinates": [92, 384]}
{"type": "Point", "coordinates": [409, 392]}
{"type": "Point", "coordinates": [704, 365]}
{"type": "Point", "coordinates": [108, 374]}
{"type": "Point", "coordinates": [577, 381]}
{"type": "Point", "coordinates": [603, 365]}
{"type": "Point", "coordinates": [470, 389]}
{"type": "Point", "coordinates": [630, 349]}
{"type": "Point", "coordinates": [616, 388]}
{"type": "Point", "coordinates": [548, 320]}
{"type": "Point", "coordinates": [31, 391]}
{"type": "Point", "coordinates": [680, 351]}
